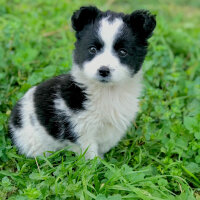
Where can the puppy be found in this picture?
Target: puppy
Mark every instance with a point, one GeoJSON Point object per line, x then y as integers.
{"type": "Point", "coordinates": [91, 107]}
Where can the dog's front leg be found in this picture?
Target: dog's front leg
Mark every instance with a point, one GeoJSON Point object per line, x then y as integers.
{"type": "Point", "coordinates": [90, 146]}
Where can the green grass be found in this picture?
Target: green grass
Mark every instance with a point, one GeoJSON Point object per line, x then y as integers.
{"type": "Point", "coordinates": [159, 158]}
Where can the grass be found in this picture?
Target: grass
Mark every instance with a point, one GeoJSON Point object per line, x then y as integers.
{"type": "Point", "coordinates": [159, 158]}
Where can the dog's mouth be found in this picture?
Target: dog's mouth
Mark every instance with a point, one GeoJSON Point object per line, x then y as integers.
{"type": "Point", "coordinates": [104, 79]}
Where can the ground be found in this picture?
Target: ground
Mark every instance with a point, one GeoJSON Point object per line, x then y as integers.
{"type": "Point", "coordinates": [159, 158]}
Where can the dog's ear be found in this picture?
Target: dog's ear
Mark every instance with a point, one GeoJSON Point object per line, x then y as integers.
{"type": "Point", "coordinates": [142, 23]}
{"type": "Point", "coordinates": [84, 16]}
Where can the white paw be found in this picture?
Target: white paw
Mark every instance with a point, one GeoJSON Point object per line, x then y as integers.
{"type": "Point", "coordinates": [89, 155]}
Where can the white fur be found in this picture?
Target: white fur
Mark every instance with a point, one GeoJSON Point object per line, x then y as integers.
{"type": "Point", "coordinates": [108, 31]}
{"type": "Point", "coordinates": [110, 111]}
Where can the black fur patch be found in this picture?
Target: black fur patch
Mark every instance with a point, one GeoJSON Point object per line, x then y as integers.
{"type": "Point", "coordinates": [16, 118]}
{"type": "Point", "coordinates": [88, 38]}
{"type": "Point", "coordinates": [58, 124]}
{"type": "Point", "coordinates": [136, 49]}
{"type": "Point", "coordinates": [73, 95]}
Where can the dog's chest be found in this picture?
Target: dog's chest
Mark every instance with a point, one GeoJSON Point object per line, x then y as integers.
{"type": "Point", "coordinates": [107, 110]}
{"type": "Point", "coordinates": [111, 105]}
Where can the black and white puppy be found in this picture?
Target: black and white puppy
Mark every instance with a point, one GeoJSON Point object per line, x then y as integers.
{"type": "Point", "coordinates": [93, 105]}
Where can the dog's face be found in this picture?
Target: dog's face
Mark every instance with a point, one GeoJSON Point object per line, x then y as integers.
{"type": "Point", "coordinates": [111, 47]}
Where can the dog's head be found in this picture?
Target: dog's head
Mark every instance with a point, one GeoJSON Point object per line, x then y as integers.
{"type": "Point", "coordinates": [111, 47]}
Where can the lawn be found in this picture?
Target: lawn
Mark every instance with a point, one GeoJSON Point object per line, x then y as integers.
{"type": "Point", "coordinates": [159, 158]}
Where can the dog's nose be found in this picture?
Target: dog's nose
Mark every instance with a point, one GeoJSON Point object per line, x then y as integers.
{"type": "Point", "coordinates": [104, 71]}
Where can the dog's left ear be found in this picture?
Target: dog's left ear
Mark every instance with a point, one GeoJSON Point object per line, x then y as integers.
{"type": "Point", "coordinates": [142, 23]}
{"type": "Point", "coordinates": [84, 16]}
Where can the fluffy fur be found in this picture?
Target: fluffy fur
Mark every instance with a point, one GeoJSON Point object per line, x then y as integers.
{"type": "Point", "coordinates": [92, 106]}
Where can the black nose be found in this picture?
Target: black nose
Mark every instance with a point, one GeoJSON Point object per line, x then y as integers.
{"type": "Point", "coordinates": [104, 71]}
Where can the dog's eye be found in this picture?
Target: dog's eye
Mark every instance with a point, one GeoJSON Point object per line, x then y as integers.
{"type": "Point", "coordinates": [93, 50]}
{"type": "Point", "coordinates": [122, 52]}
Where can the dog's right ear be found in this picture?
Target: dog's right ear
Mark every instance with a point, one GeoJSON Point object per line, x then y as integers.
{"type": "Point", "coordinates": [84, 16]}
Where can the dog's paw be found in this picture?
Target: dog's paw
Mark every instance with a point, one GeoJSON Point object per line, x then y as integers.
{"type": "Point", "coordinates": [89, 155]}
